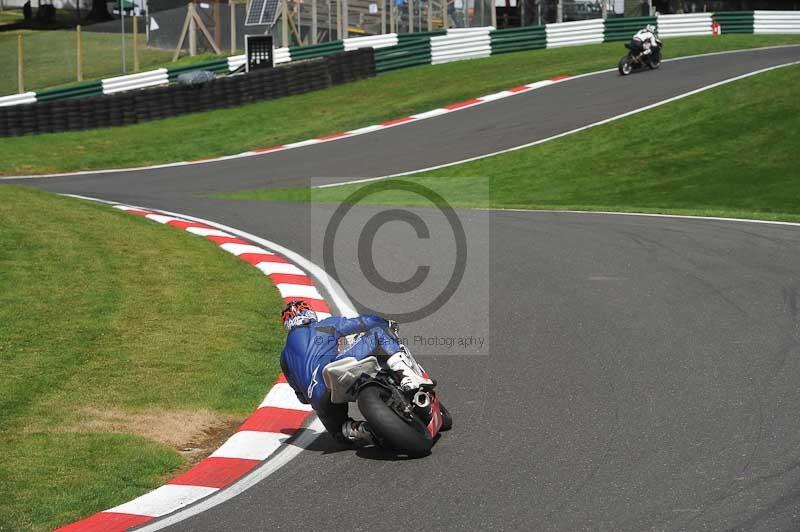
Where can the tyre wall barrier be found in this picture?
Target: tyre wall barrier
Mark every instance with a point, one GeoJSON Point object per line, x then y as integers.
{"type": "Point", "coordinates": [734, 21]}
{"type": "Point", "coordinates": [518, 39]}
{"type": "Point", "coordinates": [772, 22]}
{"type": "Point", "coordinates": [396, 51]}
{"type": "Point", "coordinates": [574, 33]}
{"type": "Point", "coordinates": [684, 25]}
{"type": "Point", "coordinates": [123, 108]}
{"type": "Point", "coordinates": [466, 43]}
{"type": "Point", "coordinates": [623, 28]}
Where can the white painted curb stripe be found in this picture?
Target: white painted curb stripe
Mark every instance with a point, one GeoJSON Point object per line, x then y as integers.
{"type": "Point", "coordinates": [245, 444]}
{"type": "Point", "coordinates": [164, 500]}
{"type": "Point", "coordinates": [282, 396]}
{"type": "Point", "coordinates": [250, 445]}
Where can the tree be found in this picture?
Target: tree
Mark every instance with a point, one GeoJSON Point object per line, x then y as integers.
{"type": "Point", "coordinates": [99, 12]}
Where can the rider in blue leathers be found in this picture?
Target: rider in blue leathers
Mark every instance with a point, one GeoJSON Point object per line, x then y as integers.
{"type": "Point", "coordinates": [311, 345]}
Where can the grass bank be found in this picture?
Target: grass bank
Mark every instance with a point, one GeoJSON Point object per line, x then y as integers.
{"type": "Point", "coordinates": [348, 106]}
{"type": "Point", "coordinates": [731, 151]}
{"type": "Point", "coordinates": [50, 58]}
{"type": "Point", "coordinates": [123, 343]}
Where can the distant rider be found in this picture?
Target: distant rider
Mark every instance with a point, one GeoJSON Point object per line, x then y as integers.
{"type": "Point", "coordinates": [312, 344]}
{"type": "Point", "coordinates": [644, 42]}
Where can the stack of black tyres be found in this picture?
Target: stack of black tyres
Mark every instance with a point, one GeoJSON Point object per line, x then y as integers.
{"type": "Point", "coordinates": [162, 102]}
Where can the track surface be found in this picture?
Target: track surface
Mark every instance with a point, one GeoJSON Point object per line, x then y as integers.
{"type": "Point", "coordinates": [642, 374]}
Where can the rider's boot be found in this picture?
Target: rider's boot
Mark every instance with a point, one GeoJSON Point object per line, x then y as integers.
{"type": "Point", "coordinates": [357, 433]}
{"type": "Point", "coordinates": [401, 363]}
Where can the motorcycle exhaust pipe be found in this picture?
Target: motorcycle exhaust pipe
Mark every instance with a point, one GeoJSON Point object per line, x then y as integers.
{"type": "Point", "coordinates": [422, 399]}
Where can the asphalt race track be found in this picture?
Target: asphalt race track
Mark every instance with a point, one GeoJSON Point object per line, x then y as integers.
{"type": "Point", "coordinates": [642, 371]}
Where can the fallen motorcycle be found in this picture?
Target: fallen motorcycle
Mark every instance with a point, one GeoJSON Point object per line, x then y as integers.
{"type": "Point", "coordinates": [403, 422]}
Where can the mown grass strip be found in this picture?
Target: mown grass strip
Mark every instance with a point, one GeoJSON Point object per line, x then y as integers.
{"type": "Point", "coordinates": [732, 151]}
{"type": "Point", "coordinates": [340, 108]}
{"type": "Point", "coordinates": [122, 342]}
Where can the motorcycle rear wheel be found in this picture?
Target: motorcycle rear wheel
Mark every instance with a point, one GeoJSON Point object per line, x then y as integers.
{"type": "Point", "coordinates": [392, 431]}
{"type": "Point", "coordinates": [447, 419]}
{"type": "Point", "coordinates": [625, 66]}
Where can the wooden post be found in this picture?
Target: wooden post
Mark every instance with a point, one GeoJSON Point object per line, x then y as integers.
{"type": "Point", "coordinates": [192, 31]}
{"type": "Point", "coordinates": [430, 15]}
{"type": "Point", "coordinates": [493, 11]}
{"type": "Point", "coordinates": [314, 29]}
{"type": "Point", "coordinates": [135, 43]}
{"type": "Point", "coordinates": [232, 5]}
{"type": "Point", "coordinates": [392, 21]}
{"type": "Point", "coordinates": [444, 14]}
{"type": "Point", "coordinates": [284, 23]}
{"type": "Point", "coordinates": [383, 16]}
{"type": "Point", "coordinates": [410, 16]}
{"type": "Point", "coordinates": [79, 53]}
{"type": "Point", "coordinates": [217, 25]}
{"type": "Point", "coordinates": [20, 62]}
{"type": "Point", "coordinates": [345, 19]}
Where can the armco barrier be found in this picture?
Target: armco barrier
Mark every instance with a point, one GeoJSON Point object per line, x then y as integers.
{"type": "Point", "coordinates": [412, 49]}
{"type": "Point", "coordinates": [684, 25]}
{"type": "Point", "coordinates": [218, 66]}
{"type": "Point", "coordinates": [316, 50]}
{"type": "Point", "coordinates": [135, 81]}
{"type": "Point", "coordinates": [411, 53]}
{"type": "Point", "coordinates": [93, 88]}
{"type": "Point", "coordinates": [518, 39]}
{"type": "Point", "coordinates": [734, 21]}
{"type": "Point", "coordinates": [16, 99]}
{"type": "Point", "coordinates": [373, 41]}
{"type": "Point", "coordinates": [623, 28]}
{"type": "Point", "coordinates": [574, 33]}
{"type": "Point", "coordinates": [468, 43]}
{"type": "Point", "coordinates": [132, 107]}
{"type": "Point", "coordinates": [772, 22]}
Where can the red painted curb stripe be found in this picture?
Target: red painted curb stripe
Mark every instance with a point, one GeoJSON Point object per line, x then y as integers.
{"type": "Point", "coordinates": [519, 89]}
{"type": "Point", "coordinates": [334, 136]}
{"type": "Point", "coordinates": [106, 522]}
{"type": "Point", "coordinates": [216, 472]}
{"type": "Point", "coordinates": [465, 103]}
{"type": "Point", "coordinates": [281, 379]}
{"type": "Point", "coordinates": [138, 212]}
{"type": "Point", "coordinates": [181, 224]}
{"type": "Point", "coordinates": [271, 148]}
{"type": "Point", "coordinates": [226, 240]}
{"type": "Point", "coordinates": [255, 258]}
{"type": "Point", "coordinates": [274, 419]}
{"type": "Point", "coordinates": [317, 305]}
{"type": "Point", "coordinates": [559, 77]}
{"type": "Point", "coordinates": [397, 121]}
{"type": "Point", "coordinates": [289, 278]}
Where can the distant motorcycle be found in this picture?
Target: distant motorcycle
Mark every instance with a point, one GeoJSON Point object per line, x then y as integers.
{"type": "Point", "coordinates": [630, 61]}
{"type": "Point", "coordinates": [405, 422]}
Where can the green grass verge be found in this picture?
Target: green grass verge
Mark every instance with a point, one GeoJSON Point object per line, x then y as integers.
{"type": "Point", "coordinates": [348, 106]}
{"type": "Point", "coordinates": [121, 340]}
{"type": "Point", "coordinates": [10, 16]}
{"type": "Point", "coordinates": [51, 57]}
{"type": "Point", "coordinates": [732, 151]}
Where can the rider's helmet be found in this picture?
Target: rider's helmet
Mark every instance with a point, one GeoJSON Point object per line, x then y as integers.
{"type": "Point", "coordinates": [297, 313]}
{"type": "Point", "coordinates": [651, 28]}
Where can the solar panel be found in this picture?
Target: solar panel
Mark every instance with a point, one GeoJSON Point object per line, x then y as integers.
{"type": "Point", "coordinates": [262, 12]}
